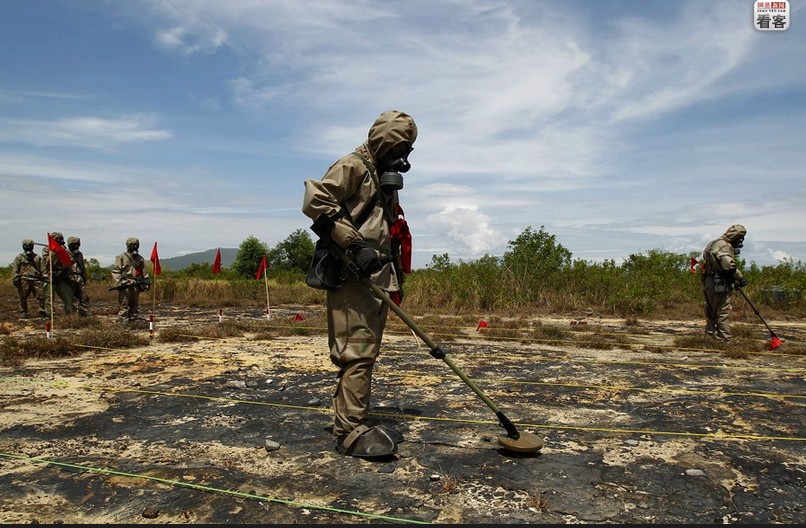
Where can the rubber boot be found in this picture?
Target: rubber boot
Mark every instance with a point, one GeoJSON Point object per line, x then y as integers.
{"type": "Point", "coordinates": [366, 442]}
{"type": "Point", "coordinates": [391, 433]}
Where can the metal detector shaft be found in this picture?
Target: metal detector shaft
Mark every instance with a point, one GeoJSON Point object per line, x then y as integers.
{"type": "Point", "coordinates": [436, 351]}
{"type": "Point", "coordinates": [756, 312]}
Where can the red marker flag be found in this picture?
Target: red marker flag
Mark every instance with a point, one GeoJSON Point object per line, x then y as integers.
{"type": "Point", "coordinates": [775, 342]}
{"type": "Point", "coordinates": [262, 268]}
{"type": "Point", "coordinates": [155, 258]}
{"type": "Point", "coordinates": [299, 317]}
{"type": "Point", "coordinates": [61, 253]}
{"type": "Point", "coordinates": [693, 265]}
{"type": "Point", "coordinates": [217, 261]}
{"type": "Point", "coordinates": [482, 324]}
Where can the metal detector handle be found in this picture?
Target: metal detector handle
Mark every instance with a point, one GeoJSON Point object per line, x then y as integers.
{"type": "Point", "coordinates": [436, 351]}
{"type": "Point", "coordinates": [756, 311]}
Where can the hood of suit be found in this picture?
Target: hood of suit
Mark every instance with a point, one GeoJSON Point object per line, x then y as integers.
{"type": "Point", "coordinates": [735, 233]}
{"type": "Point", "coordinates": [391, 127]}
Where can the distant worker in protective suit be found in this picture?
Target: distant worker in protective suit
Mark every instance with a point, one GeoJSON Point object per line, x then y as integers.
{"type": "Point", "coordinates": [78, 276]}
{"type": "Point", "coordinates": [58, 281]}
{"type": "Point", "coordinates": [26, 276]}
{"type": "Point", "coordinates": [719, 279]}
{"type": "Point", "coordinates": [354, 206]}
{"type": "Point", "coordinates": [131, 278]}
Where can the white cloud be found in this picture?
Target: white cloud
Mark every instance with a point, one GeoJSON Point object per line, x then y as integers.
{"type": "Point", "coordinates": [465, 227]}
{"type": "Point", "coordinates": [85, 131]}
{"type": "Point", "coordinates": [651, 127]}
{"type": "Point", "coordinates": [780, 256]}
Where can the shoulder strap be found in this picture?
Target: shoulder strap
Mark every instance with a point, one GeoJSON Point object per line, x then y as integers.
{"type": "Point", "coordinates": [359, 221]}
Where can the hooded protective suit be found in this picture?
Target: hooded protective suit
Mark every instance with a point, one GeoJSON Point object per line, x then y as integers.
{"type": "Point", "coordinates": [78, 276]}
{"type": "Point", "coordinates": [719, 278]}
{"type": "Point", "coordinates": [27, 277]}
{"type": "Point", "coordinates": [130, 275]}
{"type": "Point", "coordinates": [350, 202]}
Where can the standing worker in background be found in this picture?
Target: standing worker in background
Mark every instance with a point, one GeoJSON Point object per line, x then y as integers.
{"type": "Point", "coordinates": [59, 283]}
{"type": "Point", "coordinates": [353, 207]}
{"type": "Point", "coordinates": [78, 276]}
{"type": "Point", "coordinates": [27, 277]}
{"type": "Point", "coordinates": [719, 279]}
{"type": "Point", "coordinates": [131, 278]}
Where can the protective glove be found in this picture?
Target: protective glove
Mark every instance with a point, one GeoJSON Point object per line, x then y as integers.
{"type": "Point", "coordinates": [741, 283]}
{"type": "Point", "coordinates": [365, 257]}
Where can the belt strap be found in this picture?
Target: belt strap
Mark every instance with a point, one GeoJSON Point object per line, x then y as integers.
{"type": "Point", "coordinates": [354, 434]}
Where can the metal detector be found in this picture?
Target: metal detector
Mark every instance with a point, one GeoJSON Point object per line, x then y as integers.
{"type": "Point", "coordinates": [513, 440]}
{"type": "Point", "coordinates": [774, 342]}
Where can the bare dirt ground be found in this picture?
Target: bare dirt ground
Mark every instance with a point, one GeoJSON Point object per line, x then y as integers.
{"type": "Point", "coordinates": [235, 430]}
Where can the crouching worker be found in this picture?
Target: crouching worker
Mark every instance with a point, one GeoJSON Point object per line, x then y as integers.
{"type": "Point", "coordinates": [354, 206]}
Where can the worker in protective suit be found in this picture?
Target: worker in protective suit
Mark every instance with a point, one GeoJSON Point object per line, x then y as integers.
{"type": "Point", "coordinates": [719, 279]}
{"type": "Point", "coordinates": [27, 277]}
{"type": "Point", "coordinates": [131, 278]}
{"type": "Point", "coordinates": [78, 276]}
{"type": "Point", "coordinates": [353, 205]}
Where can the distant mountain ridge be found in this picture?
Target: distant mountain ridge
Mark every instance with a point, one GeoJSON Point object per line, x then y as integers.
{"type": "Point", "coordinates": [179, 263]}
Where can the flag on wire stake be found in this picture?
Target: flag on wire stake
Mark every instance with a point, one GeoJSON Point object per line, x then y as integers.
{"type": "Point", "coordinates": [261, 273]}
{"type": "Point", "coordinates": [261, 268]}
{"type": "Point", "coordinates": [299, 317]}
{"type": "Point", "coordinates": [61, 253]}
{"type": "Point", "coordinates": [66, 260]}
{"type": "Point", "coordinates": [693, 265]}
{"type": "Point", "coordinates": [217, 261]}
{"type": "Point", "coordinates": [217, 269]}
{"type": "Point", "coordinates": [482, 324]}
{"type": "Point", "coordinates": [155, 260]}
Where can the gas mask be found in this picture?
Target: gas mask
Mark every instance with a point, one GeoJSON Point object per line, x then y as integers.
{"type": "Point", "coordinates": [74, 246]}
{"type": "Point", "coordinates": [395, 162]}
{"type": "Point", "coordinates": [132, 248]}
{"type": "Point", "coordinates": [737, 246]}
{"type": "Point", "coordinates": [29, 250]}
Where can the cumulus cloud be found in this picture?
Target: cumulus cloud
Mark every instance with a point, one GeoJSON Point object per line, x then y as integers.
{"type": "Point", "coordinates": [780, 256]}
{"type": "Point", "coordinates": [465, 227]}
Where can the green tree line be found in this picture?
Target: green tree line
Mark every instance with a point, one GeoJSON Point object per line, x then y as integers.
{"type": "Point", "coordinates": [536, 274]}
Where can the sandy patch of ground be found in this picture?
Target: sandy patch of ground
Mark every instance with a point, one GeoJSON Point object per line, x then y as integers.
{"type": "Point", "coordinates": [235, 430]}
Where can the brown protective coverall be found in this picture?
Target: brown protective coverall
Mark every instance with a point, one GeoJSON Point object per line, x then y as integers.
{"type": "Point", "coordinates": [78, 278]}
{"type": "Point", "coordinates": [27, 278]}
{"type": "Point", "coordinates": [356, 316]}
{"type": "Point", "coordinates": [717, 281]}
{"type": "Point", "coordinates": [128, 266]}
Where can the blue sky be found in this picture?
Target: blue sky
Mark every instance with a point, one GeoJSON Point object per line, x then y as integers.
{"type": "Point", "coordinates": [618, 126]}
